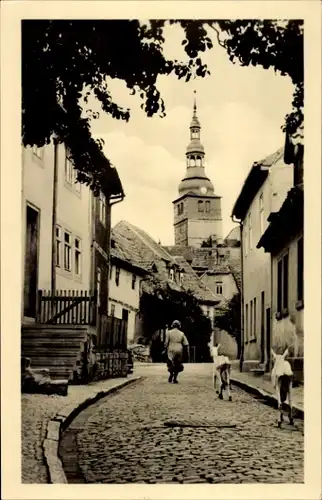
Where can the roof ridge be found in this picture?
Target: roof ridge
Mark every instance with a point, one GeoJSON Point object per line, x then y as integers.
{"type": "Point", "coordinates": [137, 230]}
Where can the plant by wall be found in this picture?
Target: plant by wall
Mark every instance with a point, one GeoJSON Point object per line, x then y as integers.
{"type": "Point", "coordinates": [160, 308]}
{"type": "Point", "coordinates": [230, 320]}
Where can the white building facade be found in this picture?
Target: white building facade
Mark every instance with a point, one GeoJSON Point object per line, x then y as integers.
{"type": "Point", "coordinates": [72, 232]}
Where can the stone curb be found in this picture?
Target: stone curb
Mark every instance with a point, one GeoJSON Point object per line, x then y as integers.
{"type": "Point", "coordinates": [269, 398]}
{"type": "Point", "coordinates": [61, 421]}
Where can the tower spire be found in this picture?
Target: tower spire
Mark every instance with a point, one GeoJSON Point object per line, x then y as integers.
{"type": "Point", "coordinates": [194, 104]}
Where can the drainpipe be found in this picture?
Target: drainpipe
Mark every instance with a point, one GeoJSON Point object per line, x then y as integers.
{"type": "Point", "coordinates": [54, 220]}
{"type": "Point", "coordinates": [241, 359]}
{"type": "Point", "coordinates": [111, 202]}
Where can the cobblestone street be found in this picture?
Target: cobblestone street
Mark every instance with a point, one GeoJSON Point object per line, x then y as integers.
{"type": "Point", "coordinates": [123, 438]}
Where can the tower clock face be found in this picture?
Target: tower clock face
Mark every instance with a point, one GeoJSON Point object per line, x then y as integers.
{"type": "Point", "coordinates": [203, 190]}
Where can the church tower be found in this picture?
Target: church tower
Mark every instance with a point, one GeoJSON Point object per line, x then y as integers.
{"type": "Point", "coordinates": [197, 210]}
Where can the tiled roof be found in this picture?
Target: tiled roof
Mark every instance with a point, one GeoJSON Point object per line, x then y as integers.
{"type": "Point", "coordinates": [219, 269]}
{"type": "Point", "coordinates": [143, 251]}
{"type": "Point", "coordinates": [192, 282]}
{"type": "Point", "coordinates": [198, 258]}
{"type": "Point", "coordinates": [234, 234]}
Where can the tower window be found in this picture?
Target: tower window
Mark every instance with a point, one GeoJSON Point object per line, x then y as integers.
{"type": "Point", "coordinates": [200, 206]}
{"type": "Point", "coordinates": [195, 133]}
{"type": "Point", "coordinates": [198, 161]}
{"type": "Point", "coordinates": [207, 206]}
{"type": "Point", "coordinates": [192, 161]}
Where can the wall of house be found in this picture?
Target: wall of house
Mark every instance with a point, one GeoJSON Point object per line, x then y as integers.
{"type": "Point", "coordinates": [122, 296]}
{"type": "Point", "coordinates": [256, 263]}
{"type": "Point", "coordinates": [288, 331]}
{"type": "Point", "coordinates": [72, 216]}
{"type": "Point", "coordinates": [227, 282]}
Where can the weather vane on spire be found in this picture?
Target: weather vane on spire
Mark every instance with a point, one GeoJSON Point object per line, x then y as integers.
{"type": "Point", "coordinates": [194, 102]}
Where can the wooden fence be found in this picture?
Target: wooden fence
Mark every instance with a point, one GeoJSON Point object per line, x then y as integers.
{"type": "Point", "coordinates": [115, 334]}
{"type": "Point", "coordinates": [67, 307]}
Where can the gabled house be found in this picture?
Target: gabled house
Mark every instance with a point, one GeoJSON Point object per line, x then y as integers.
{"type": "Point", "coordinates": [124, 285]}
{"type": "Point", "coordinates": [263, 192]}
{"type": "Point", "coordinates": [164, 269]}
{"type": "Point", "coordinates": [283, 240]}
{"type": "Point", "coordinates": [65, 261]}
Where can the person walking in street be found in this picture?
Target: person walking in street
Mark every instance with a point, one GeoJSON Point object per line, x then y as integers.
{"type": "Point", "coordinates": [175, 341]}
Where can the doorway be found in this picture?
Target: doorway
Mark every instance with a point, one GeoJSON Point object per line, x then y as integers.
{"type": "Point", "coordinates": [268, 338]}
{"type": "Point", "coordinates": [31, 262]}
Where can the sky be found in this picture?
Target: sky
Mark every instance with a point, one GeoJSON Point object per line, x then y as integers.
{"type": "Point", "coordinates": [241, 110]}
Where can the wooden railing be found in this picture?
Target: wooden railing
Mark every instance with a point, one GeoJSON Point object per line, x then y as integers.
{"type": "Point", "coordinates": [67, 307]}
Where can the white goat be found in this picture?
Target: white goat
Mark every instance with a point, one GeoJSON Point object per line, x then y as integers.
{"type": "Point", "coordinates": [282, 377]}
{"type": "Point", "coordinates": [221, 365]}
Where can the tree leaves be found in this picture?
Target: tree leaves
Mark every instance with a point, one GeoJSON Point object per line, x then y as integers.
{"type": "Point", "coordinates": [65, 61]}
{"type": "Point", "coordinates": [230, 318]}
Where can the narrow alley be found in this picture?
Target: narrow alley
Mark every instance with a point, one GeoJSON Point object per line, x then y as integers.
{"type": "Point", "coordinates": [157, 432]}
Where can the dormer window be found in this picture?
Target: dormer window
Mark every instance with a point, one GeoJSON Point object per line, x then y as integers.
{"type": "Point", "coordinates": [171, 275]}
{"type": "Point", "coordinates": [181, 274]}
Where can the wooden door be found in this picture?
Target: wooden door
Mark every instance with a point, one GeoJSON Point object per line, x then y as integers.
{"type": "Point", "coordinates": [31, 262]}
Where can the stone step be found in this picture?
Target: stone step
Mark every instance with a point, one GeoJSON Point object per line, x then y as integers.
{"type": "Point", "coordinates": [49, 361]}
{"type": "Point", "coordinates": [32, 351]}
{"type": "Point", "coordinates": [48, 335]}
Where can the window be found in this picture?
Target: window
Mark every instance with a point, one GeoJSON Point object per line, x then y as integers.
{"type": "Point", "coordinates": [117, 276]}
{"type": "Point", "coordinates": [112, 310]}
{"type": "Point", "coordinates": [279, 286]}
{"type": "Point", "coordinates": [78, 256]}
{"type": "Point", "coordinates": [219, 287]}
{"type": "Point", "coordinates": [282, 285]}
{"type": "Point", "coordinates": [200, 206]}
{"type": "Point", "coordinates": [133, 281]}
{"type": "Point", "coordinates": [98, 286]}
{"type": "Point", "coordinates": [250, 234]}
{"type": "Point", "coordinates": [58, 245]}
{"type": "Point", "coordinates": [300, 269]}
{"type": "Point", "coordinates": [255, 327]}
{"type": "Point", "coordinates": [208, 206]}
{"type": "Point", "coordinates": [69, 174]}
{"type": "Point", "coordinates": [198, 161]}
{"type": "Point", "coordinates": [111, 271]}
{"type": "Point", "coordinates": [261, 213]}
{"type": "Point", "coordinates": [171, 274]}
{"type": "Point", "coordinates": [181, 277]}
{"type": "Point", "coordinates": [180, 208]}
{"type": "Point", "coordinates": [76, 183]}
{"type": "Point", "coordinates": [285, 281]}
{"type": "Point", "coordinates": [102, 208]}
{"type": "Point", "coordinates": [125, 314]}
{"type": "Point", "coordinates": [246, 324]}
{"type": "Point", "coordinates": [38, 152]}
{"type": "Point", "coordinates": [251, 320]}
{"type": "Point", "coordinates": [195, 133]}
{"type": "Point", "coordinates": [67, 252]}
